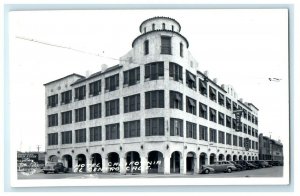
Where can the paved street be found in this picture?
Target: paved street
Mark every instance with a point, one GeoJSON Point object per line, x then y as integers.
{"type": "Point", "coordinates": [276, 171]}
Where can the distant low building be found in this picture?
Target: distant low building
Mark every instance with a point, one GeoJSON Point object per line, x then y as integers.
{"type": "Point", "coordinates": [270, 149]}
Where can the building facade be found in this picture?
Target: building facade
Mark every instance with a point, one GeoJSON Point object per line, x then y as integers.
{"type": "Point", "coordinates": [154, 112]}
{"type": "Point", "coordinates": [270, 149]}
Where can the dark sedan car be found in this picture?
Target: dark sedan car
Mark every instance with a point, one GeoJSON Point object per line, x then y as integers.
{"type": "Point", "coordinates": [238, 166]}
{"type": "Point", "coordinates": [246, 164]}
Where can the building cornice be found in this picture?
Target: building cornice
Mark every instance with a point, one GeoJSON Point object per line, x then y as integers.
{"type": "Point", "coordinates": [159, 17]}
{"type": "Point", "coordinates": [161, 30]}
{"type": "Point", "coordinates": [73, 74]}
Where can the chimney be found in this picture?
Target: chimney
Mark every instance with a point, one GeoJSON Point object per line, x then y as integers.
{"type": "Point", "coordinates": [206, 73]}
{"type": "Point", "coordinates": [87, 73]}
{"type": "Point", "coordinates": [215, 80]}
{"type": "Point", "coordinates": [103, 67]}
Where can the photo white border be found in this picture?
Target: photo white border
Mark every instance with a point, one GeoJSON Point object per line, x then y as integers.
{"type": "Point", "coordinates": [147, 181]}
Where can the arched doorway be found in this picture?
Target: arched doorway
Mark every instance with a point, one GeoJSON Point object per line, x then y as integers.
{"type": "Point", "coordinates": [67, 161]}
{"type": "Point", "coordinates": [245, 158]}
{"type": "Point", "coordinates": [234, 158]}
{"type": "Point", "coordinates": [175, 162]}
{"type": "Point", "coordinates": [133, 162]}
{"type": "Point", "coordinates": [81, 163]}
{"type": "Point", "coordinates": [212, 158]}
{"type": "Point", "coordinates": [113, 162]}
{"type": "Point", "coordinates": [249, 158]}
{"type": "Point", "coordinates": [155, 162]}
{"type": "Point", "coordinates": [228, 157]}
{"type": "Point", "coordinates": [97, 162]}
{"type": "Point", "coordinates": [240, 157]}
{"type": "Point", "coordinates": [203, 159]}
{"type": "Point", "coordinates": [253, 158]}
{"type": "Point", "coordinates": [221, 157]}
{"type": "Point", "coordinates": [190, 162]}
{"type": "Point", "coordinates": [256, 158]}
{"type": "Point", "coordinates": [53, 158]}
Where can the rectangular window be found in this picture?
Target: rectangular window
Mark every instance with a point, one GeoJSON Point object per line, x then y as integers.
{"type": "Point", "coordinates": [181, 49]}
{"type": "Point", "coordinates": [95, 134]}
{"type": "Point", "coordinates": [212, 115]}
{"type": "Point", "coordinates": [112, 131]}
{"type": "Point", "coordinates": [132, 76]}
{"type": "Point", "coordinates": [203, 110]}
{"type": "Point", "coordinates": [112, 83]}
{"type": "Point", "coordinates": [52, 120]}
{"type": "Point", "coordinates": [191, 105]}
{"type": "Point", "coordinates": [176, 100]}
{"type": "Point", "coordinates": [132, 129]}
{"type": "Point", "coordinates": [234, 106]}
{"type": "Point", "coordinates": [202, 133]}
{"type": "Point", "coordinates": [228, 103]}
{"type": "Point", "coordinates": [191, 130]}
{"type": "Point", "coordinates": [228, 121]}
{"type": "Point", "coordinates": [66, 137]}
{"type": "Point", "coordinates": [190, 80]}
{"type": "Point", "coordinates": [80, 93]}
{"type": "Point", "coordinates": [154, 99]}
{"type": "Point", "coordinates": [221, 137]}
{"type": "Point", "coordinates": [228, 138]}
{"type": "Point", "coordinates": [203, 87]}
{"type": "Point", "coordinates": [112, 107]}
{"type": "Point", "coordinates": [95, 88]}
{"type": "Point", "coordinates": [234, 140]}
{"type": "Point", "coordinates": [132, 103]}
{"type": "Point", "coordinates": [253, 132]}
{"type": "Point", "coordinates": [175, 72]}
{"type": "Point", "coordinates": [221, 99]}
{"type": "Point", "coordinates": [154, 71]}
{"type": "Point", "coordinates": [52, 139]}
{"type": "Point", "coordinates": [249, 116]}
{"type": "Point", "coordinates": [212, 94]}
{"type": "Point", "coordinates": [95, 111]}
{"type": "Point", "coordinates": [234, 123]}
{"type": "Point", "coordinates": [253, 147]}
{"type": "Point", "coordinates": [213, 135]}
{"type": "Point", "coordinates": [53, 101]}
{"type": "Point", "coordinates": [66, 97]}
{"type": "Point", "coordinates": [66, 117]}
{"type": "Point", "coordinates": [166, 47]}
{"type": "Point", "coordinates": [245, 113]}
{"type": "Point", "coordinates": [146, 47]}
{"type": "Point", "coordinates": [80, 114]}
{"type": "Point", "coordinates": [245, 128]}
{"type": "Point", "coordinates": [80, 135]}
{"type": "Point", "coordinates": [155, 126]}
{"type": "Point", "coordinates": [221, 118]}
{"type": "Point", "coordinates": [240, 142]}
{"type": "Point", "coordinates": [176, 127]}
{"type": "Point", "coordinates": [249, 130]}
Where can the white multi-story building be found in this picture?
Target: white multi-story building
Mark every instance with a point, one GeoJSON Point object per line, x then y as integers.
{"type": "Point", "coordinates": [155, 112]}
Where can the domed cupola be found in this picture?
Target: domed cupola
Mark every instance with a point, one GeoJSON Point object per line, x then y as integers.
{"type": "Point", "coordinates": [160, 36]}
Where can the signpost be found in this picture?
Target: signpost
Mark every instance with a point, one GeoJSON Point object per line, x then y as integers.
{"type": "Point", "coordinates": [238, 114]}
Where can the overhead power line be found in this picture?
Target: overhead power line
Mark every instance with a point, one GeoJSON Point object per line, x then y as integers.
{"type": "Point", "coordinates": [64, 47]}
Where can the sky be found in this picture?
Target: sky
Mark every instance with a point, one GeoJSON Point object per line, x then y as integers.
{"type": "Point", "coordinates": [243, 48]}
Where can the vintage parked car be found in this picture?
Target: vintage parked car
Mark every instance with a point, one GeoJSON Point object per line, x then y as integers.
{"type": "Point", "coordinates": [238, 166]}
{"type": "Point", "coordinates": [223, 166]}
{"type": "Point", "coordinates": [256, 164]}
{"type": "Point", "coordinates": [246, 164]}
{"type": "Point", "coordinates": [55, 167]}
{"type": "Point", "coordinates": [206, 169]}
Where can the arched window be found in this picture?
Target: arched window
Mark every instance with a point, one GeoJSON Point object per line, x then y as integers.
{"type": "Point", "coordinates": [172, 27]}
{"type": "Point", "coordinates": [153, 26]}
{"type": "Point", "coordinates": [163, 26]}
{"type": "Point", "coordinates": [144, 29]}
